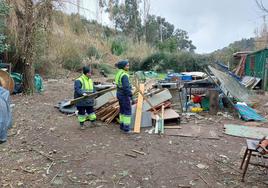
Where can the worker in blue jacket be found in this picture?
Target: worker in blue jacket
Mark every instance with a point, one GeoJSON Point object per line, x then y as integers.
{"type": "Point", "coordinates": [82, 87]}
{"type": "Point", "coordinates": [124, 95]}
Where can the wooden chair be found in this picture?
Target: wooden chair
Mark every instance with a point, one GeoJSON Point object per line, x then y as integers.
{"type": "Point", "coordinates": [250, 151]}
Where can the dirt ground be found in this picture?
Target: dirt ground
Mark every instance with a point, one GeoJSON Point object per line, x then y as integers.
{"type": "Point", "coordinates": [45, 148]}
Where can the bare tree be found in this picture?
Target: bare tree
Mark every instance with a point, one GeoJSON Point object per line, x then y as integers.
{"type": "Point", "coordinates": [29, 15]}
{"type": "Point", "coordinates": [261, 5]}
{"type": "Point", "coordinates": [261, 39]}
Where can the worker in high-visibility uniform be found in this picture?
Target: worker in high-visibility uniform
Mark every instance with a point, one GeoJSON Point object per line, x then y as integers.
{"type": "Point", "coordinates": [82, 87]}
{"type": "Point", "coordinates": [124, 95]}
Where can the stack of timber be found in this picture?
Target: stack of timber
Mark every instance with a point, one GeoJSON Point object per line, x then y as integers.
{"type": "Point", "coordinates": [108, 112]}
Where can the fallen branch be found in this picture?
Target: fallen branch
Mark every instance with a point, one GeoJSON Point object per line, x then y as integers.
{"type": "Point", "coordinates": [139, 152]}
{"type": "Point", "coordinates": [220, 162]}
{"type": "Point", "coordinates": [131, 155]}
{"type": "Point", "coordinates": [54, 177]}
{"type": "Point", "coordinates": [203, 179]}
{"type": "Point", "coordinates": [26, 170]}
{"type": "Point", "coordinates": [41, 153]}
{"type": "Point", "coordinates": [77, 182]}
{"type": "Point", "coordinates": [52, 163]}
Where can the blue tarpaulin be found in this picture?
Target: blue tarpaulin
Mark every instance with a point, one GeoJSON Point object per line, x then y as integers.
{"type": "Point", "coordinates": [5, 113]}
{"type": "Point", "coordinates": [248, 114]}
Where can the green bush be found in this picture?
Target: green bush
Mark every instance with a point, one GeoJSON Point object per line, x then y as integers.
{"type": "Point", "coordinates": [154, 61]}
{"type": "Point", "coordinates": [73, 63]}
{"type": "Point", "coordinates": [169, 45]}
{"type": "Point", "coordinates": [118, 47]}
{"type": "Point", "coordinates": [93, 52]}
{"type": "Point", "coordinates": [4, 11]}
{"type": "Point", "coordinates": [135, 63]}
{"type": "Point", "coordinates": [178, 62]}
{"type": "Point", "coordinates": [107, 68]}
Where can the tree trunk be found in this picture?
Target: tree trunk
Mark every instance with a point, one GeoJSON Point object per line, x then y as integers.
{"type": "Point", "coordinates": [28, 78]}
{"type": "Point", "coordinates": [28, 69]}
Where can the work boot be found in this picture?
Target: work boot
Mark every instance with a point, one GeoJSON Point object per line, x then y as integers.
{"type": "Point", "coordinates": [127, 129]}
{"type": "Point", "coordinates": [2, 141]}
{"type": "Point", "coordinates": [82, 126]}
{"type": "Point", "coordinates": [121, 126]}
{"type": "Point", "coordinates": [128, 132]}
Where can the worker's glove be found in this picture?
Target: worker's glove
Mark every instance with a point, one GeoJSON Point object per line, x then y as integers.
{"type": "Point", "coordinates": [85, 94]}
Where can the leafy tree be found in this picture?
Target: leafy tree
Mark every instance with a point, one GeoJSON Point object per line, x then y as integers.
{"type": "Point", "coordinates": [152, 31]}
{"type": "Point", "coordinates": [183, 42]}
{"type": "Point", "coordinates": [4, 11]}
{"type": "Point", "coordinates": [165, 28]}
{"type": "Point", "coordinates": [169, 45]}
{"type": "Point", "coordinates": [126, 17]}
{"type": "Point", "coordinates": [179, 62]}
{"type": "Point", "coordinates": [225, 55]}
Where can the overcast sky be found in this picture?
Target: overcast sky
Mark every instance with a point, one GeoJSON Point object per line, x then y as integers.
{"type": "Point", "coordinates": [211, 24]}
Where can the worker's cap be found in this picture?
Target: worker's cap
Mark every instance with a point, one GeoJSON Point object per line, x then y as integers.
{"type": "Point", "coordinates": [86, 69]}
{"type": "Point", "coordinates": [122, 64]}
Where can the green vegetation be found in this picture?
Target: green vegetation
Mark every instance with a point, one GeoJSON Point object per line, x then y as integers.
{"type": "Point", "coordinates": [118, 47]}
{"type": "Point", "coordinates": [4, 11]}
{"type": "Point", "coordinates": [225, 55]}
{"type": "Point", "coordinates": [69, 42]}
{"type": "Point", "coordinates": [107, 68]}
{"type": "Point", "coordinates": [92, 51]}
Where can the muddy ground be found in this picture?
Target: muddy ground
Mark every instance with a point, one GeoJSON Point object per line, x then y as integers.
{"type": "Point", "coordinates": [45, 148]}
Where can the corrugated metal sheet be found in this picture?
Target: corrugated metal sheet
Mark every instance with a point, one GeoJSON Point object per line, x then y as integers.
{"type": "Point", "coordinates": [255, 63]}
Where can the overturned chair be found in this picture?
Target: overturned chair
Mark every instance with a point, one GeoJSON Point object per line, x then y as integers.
{"type": "Point", "coordinates": [253, 149]}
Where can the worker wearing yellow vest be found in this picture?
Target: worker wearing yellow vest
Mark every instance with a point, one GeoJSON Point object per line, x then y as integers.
{"type": "Point", "coordinates": [124, 95]}
{"type": "Point", "coordinates": [82, 87]}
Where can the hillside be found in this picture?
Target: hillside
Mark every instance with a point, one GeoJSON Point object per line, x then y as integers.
{"type": "Point", "coordinates": [225, 54]}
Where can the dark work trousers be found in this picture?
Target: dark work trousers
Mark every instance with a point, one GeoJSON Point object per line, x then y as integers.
{"type": "Point", "coordinates": [83, 109]}
{"type": "Point", "coordinates": [125, 110]}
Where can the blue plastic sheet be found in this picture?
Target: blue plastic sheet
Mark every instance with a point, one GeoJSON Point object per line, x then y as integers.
{"type": "Point", "coordinates": [5, 113]}
{"type": "Point", "coordinates": [248, 114]}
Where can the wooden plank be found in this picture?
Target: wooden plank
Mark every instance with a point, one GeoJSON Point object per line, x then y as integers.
{"type": "Point", "coordinates": [108, 121]}
{"type": "Point", "coordinates": [173, 127]}
{"type": "Point", "coordinates": [74, 101]}
{"type": "Point", "coordinates": [137, 125]}
{"type": "Point", "coordinates": [108, 115]}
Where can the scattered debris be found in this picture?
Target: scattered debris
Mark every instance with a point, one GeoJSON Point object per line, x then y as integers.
{"type": "Point", "coordinates": [244, 131]}
{"type": "Point", "coordinates": [139, 152]}
{"type": "Point", "coordinates": [248, 114]}
{"type": "Point", "coordinates": [202, 166]}
{"type": "Point", "coordinates": [51, 164]}
{"type": "Point", "coordinates": [131, 155]}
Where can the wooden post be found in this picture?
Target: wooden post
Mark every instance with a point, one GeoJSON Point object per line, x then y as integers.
{"type": "Point", "coordinates": [213, 101]}
{"type": "Point", "coordinates": [265, 75]}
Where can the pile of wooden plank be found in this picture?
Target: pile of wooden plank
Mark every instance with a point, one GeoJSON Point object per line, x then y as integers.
{"type": "Point", "coordinates": [108, 112]}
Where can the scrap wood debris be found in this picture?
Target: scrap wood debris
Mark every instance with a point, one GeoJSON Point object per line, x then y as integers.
{"type": "Point", "coordinates": [108, 112]}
